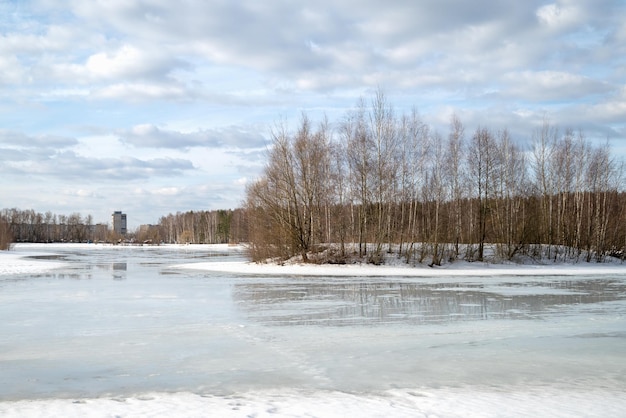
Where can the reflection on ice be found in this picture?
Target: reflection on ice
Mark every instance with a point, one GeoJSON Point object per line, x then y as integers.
{"type": "Point", "coordinates": [321, 302]}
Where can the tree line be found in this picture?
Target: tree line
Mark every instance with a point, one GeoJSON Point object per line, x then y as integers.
{"type": "Point", "coordinates": [30, 226]}
{"type": "Point", "coordinates": [380, 182]}
{"type": "Point", "coordinates": [199, 227]}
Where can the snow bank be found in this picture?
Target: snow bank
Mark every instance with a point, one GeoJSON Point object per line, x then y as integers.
{"type": "Point", "coordinates": [367, 270]}
{"type": "Point", "coordinates": [546, 402]}
{"type": "Point", "coordinates": [24, 263]}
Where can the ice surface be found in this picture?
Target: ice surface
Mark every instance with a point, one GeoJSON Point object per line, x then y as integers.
{"type": "Point", "coordinates": [119, 331]}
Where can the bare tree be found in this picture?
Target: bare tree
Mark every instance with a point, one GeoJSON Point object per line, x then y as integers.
{"type": "Point", "coordinates": [435, 195]}
{"type": "Point", "coordinates": [481, 160]}
{"type": "Point", "coordinates": [604, 177]}
{"type": "Point", "coordinates": [383, 134]}
{"type": "Point", "coordinates": [360, 162]}
{"type": "Point", "coordinates": [509, 180]}
{"type": "Point", "coordinates": [340, 190]}
{"type": "Point", "coordinates": [290, 195]}
{"type": "Point", "coordinates": [415, 152]}
{"type": "Point", "coordinates": [544, 148]}
{"type": "Point", "coordinates": [581, 160]}
{"type": "Point", "coordinates": [456, 177]}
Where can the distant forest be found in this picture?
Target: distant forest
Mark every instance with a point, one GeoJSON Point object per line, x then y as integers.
{"type": "Point", "coordinates": [202, 227]}
{"type": "Point", "coordinates": [381, 182]}
{"type": "Point", "coordinates": [378, 183]}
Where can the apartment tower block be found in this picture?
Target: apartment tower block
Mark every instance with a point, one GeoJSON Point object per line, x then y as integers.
{"type": "Point", "coordinates": [118, 219]}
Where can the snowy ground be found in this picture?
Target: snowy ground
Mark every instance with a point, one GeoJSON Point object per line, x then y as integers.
{"type": "Point", "coordinates": [14, 263]}
{"type": "Point", "coordinates": [93, 330]}
{"type": "Point", "coordinates": [457, 269]}
{"type": "Point", "coordinates": [289, 403]}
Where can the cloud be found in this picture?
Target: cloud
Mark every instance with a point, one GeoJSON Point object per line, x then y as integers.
{"type": "Point", "coordinates": [283, 37]}
{"type": "Point", "coordinates": [137, 92]}
{"type": "Point", "coordinates": [125, 62]}
{"type": "Point", "coordinates": [552, 85]}
{"type": "Point", "coordinates": [69, 166]}
{"type": "Point", "coordinates": [11, 70]}
{"type": "Point", "coordinates": [157, 50]}
{"type": "Point", "coordinates": [167, 191]}
{"type": "Point", "coordinates": [9, 154]}
{"type": "Point", "coordinates": [558, 16]}
{"type": "Point", "coordinates": [172, 199]}
{"type": "Point", "coordinates": [81, 193]}
{"type": "Point", "coordinates": [54, 39]}
{"type": "Point", "coordinates": [611, 111]}
{"type": "Point", "coordinates": [150, 136]}
{"type": "Point", "coordinates": [21, 140]}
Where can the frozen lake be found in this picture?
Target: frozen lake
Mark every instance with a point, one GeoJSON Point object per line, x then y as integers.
{"type": "Point", "coordinates": [115, 322]}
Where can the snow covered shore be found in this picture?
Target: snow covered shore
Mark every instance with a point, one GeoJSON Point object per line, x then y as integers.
{"type": "Point", "coordinates": [444, 402]}
{"type": "Point", "coordinates": [25, 263]}
{"type": "Point", "coordinates": [457, 269]}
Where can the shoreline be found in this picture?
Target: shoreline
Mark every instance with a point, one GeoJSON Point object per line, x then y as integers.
{"type": "Point", "coordinates": [17, 261]}
{"type": "Point", "coordinates": [457, 269]}
{"type": "Point", "coordinates": [399, 402]}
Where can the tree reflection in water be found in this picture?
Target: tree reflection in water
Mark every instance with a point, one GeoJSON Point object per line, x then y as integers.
{"type": "Point", "coordinates": [336, 303]}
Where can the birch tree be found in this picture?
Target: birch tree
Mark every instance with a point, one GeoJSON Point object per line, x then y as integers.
{"type": "Point", "coordinates": [288, 197]}
{"type": "Point", "coordinates": [455, 175]}
{"type": "Point", "coordinates": [360, 161]}
{"type": "Point", "coordinates": [481, 160]}
{"type": "Point", "coordinates": [383, 138]}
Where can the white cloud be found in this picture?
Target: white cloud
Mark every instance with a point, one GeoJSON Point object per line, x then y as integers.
{"type": "Point", "coordinates": [68, 166]}
{"type": "Point", "coordinates": [612, 110]}
{"type": "Point", "coordinates": [551, 14]}
{"type": "Point", "coordinates": [127, 61]}
{"type": "Point", "coordinates": [81, 193]}
{"type": "Point", "coordinates": [552, 85]}
{"type": "Point", "coordinates": [136, 92]}
{"type": "Point", "coordinates": [23, 141]}
{"type": "Point", "coordinates": [167, 191]}
{"type": "Point", "coordinates": [124, 72]}
{"type": "Point", "coordinates": [11, 71]}
{"type": "Point", "coordinates": [55, 39]}
{"type": "Point", "coordinates": [151, 136]}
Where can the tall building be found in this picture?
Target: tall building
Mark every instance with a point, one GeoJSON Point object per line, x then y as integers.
{"type": "Point", "coordinates": [119, 222]}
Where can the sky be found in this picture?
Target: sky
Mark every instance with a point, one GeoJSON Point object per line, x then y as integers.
{"type": "Point", "coordinates": [158, 106]}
